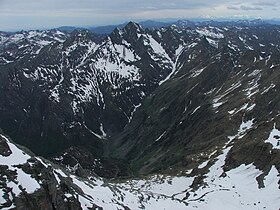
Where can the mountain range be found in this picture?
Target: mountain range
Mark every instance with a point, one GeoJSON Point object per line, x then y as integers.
{"type": "Point", "coordinates": [153, 24]}
{"type": "Point", "coordinates": [182, 115]}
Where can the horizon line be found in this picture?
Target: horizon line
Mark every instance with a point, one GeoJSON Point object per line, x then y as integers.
{"type": "Point", "coordinates": [161, 20]}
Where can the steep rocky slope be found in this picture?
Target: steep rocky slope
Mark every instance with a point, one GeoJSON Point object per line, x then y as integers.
{"type": "Point", "coordinates": [224, 90]}
{"type": "Point", "coordinates": [30, 182]}
{"type": "Point", "coordinates": [79, 91]}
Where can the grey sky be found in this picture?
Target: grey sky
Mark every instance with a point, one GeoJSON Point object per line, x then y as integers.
{"type": "Point", "coordinates": [32, 14]}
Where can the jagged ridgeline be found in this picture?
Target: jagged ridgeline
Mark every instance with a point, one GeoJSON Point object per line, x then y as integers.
{"type": "Point", "coordinates": [60, 90]}
{"type": "Point", "coordinates": [197, 102]}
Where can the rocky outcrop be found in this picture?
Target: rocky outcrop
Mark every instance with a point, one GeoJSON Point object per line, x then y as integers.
{"type": "Point", "coordinates": [29, 183]}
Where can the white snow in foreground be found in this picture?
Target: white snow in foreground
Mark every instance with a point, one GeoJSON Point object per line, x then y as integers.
{"type": "Point", "coordinates": [236, 189]}
{"type": "Point", "coordinates": [274, 138]}
{"type": "Point", "coordinates": [232, 190]}
{"type": "Point", "coordinates": [17, 157]}
{"type": "Point", "coordinates": [95, 193]}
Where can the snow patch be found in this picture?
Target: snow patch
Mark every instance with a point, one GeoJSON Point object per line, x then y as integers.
{"type": "Point", "coordinates": [18, 157]}
{"type": "Point", "coordinates": [274, 138]}
{"type": "Point", "coordinates": [210, 33]}
{"type": "Point", "coordinates": [160, 136]}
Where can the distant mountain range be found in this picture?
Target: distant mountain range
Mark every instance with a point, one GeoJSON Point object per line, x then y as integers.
{"type": "Point", "coordinates": [107, 29]}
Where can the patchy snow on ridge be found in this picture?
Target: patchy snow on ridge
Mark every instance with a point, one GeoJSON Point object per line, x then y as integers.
{"type": "Point", "coordinates": [196, 73]}
{"type": "Point", "coordinates": [212, 42]}
{"type": "Point", "coordinates": [274, 138]}
{"type": "Point", "coordinates": [210, 33]}
{"type": "Point", "coordinates": [110, 60]}
{"type": "Point", "coordinates": [217, 100]}
{"type": "Point", "coordinates": [245, 126]}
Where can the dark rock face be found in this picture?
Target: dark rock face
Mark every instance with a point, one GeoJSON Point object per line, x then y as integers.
{"type": "Point", "coordinates": [225, 88]}
{"type": "Point", "coordinates": [80, 162]}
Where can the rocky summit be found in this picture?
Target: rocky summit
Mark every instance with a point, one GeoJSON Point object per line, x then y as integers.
{"type": "Point", "coordinates": [180, 117]}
